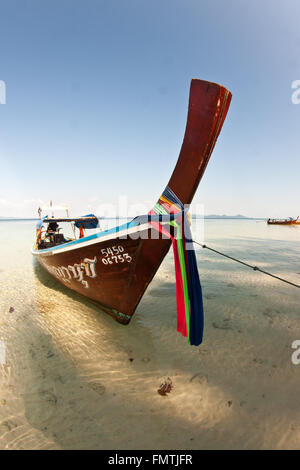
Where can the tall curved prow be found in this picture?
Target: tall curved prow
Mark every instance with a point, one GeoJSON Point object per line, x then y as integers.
{"type": "Point", "coordinates": [208, 106]}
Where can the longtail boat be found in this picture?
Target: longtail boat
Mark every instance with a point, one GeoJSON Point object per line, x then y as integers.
{"type": "Point", "coordinates": [115, 266]}
{"type": "Point", "coordinates": [289, 221]}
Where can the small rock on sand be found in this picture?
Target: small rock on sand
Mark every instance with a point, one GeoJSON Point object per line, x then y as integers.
{"type": "Point", "coordinates": [165, 387]}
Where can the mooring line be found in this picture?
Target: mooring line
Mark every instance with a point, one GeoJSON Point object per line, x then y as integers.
{"type": "Point", "coordinates": [255, 268]}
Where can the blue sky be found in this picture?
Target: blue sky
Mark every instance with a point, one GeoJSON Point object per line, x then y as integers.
{"type": "Point", "coordinates": [97, 94]}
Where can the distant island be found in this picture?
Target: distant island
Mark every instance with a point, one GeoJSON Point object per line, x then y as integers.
{"type": "Point", "coordinates": [223, 216]}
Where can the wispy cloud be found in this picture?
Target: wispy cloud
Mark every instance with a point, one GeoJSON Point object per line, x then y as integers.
{"type": "Point", "coordinates": [22, 207]}
{"type": "Point", "coordinates": [25, 203]}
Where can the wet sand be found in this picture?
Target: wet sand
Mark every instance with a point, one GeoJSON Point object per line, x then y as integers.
{"type": "Point", "coordinates": [75, 379]}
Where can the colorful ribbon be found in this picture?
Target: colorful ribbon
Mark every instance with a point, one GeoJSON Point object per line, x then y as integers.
{"type": "Point", "coordinates": [190, 317]}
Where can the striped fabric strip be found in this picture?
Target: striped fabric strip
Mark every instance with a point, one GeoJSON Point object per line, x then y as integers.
{"type": "Point", "coordinates": [195, 291]}
{"type": "Point", "coordinates": [182, 298]}
{"type": "Point", "coordinates": [190, 316]}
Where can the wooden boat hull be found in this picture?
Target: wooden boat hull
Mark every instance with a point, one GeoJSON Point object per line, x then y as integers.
{"type": "Point", "coordinates": [113, 270]}
{"type": "Point", "coordinates": [118, 281]}
{"type": "Point", "coordinates": [289, 222]}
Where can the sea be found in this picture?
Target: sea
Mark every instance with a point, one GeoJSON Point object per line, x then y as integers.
{"type": "Point", "coordinates": [73, 378]}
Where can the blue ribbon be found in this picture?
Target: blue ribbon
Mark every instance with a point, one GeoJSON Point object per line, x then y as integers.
{"type": "Point", "coordinates": [195, 290]}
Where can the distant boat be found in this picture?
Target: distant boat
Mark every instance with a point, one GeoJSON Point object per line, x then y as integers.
{"type": "Point", "coordinates": [114, 267]}
{"type": "Point", "coordinates": [289, 221]}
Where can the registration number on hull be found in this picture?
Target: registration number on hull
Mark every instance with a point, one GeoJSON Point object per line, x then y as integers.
{"type": "Point", "coordinates": [115, 254]}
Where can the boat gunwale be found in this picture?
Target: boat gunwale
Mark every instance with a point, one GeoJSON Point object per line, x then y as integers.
{"type": "Point", "coordinates": [100, 237]}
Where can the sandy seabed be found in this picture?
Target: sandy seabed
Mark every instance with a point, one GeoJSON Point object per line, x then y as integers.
{"type": "Point", "coordinates": [75, 379]}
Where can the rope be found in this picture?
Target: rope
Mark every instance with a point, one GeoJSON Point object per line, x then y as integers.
{"type": "Point", "coordinates": [255, 268]}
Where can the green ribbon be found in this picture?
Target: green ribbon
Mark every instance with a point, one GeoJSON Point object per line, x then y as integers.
{"type": "Point", "coordinates": [161, 210]}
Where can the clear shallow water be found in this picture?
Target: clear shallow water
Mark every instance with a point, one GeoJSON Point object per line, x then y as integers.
{"type": "Point", "coordinates": [74, 378]}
